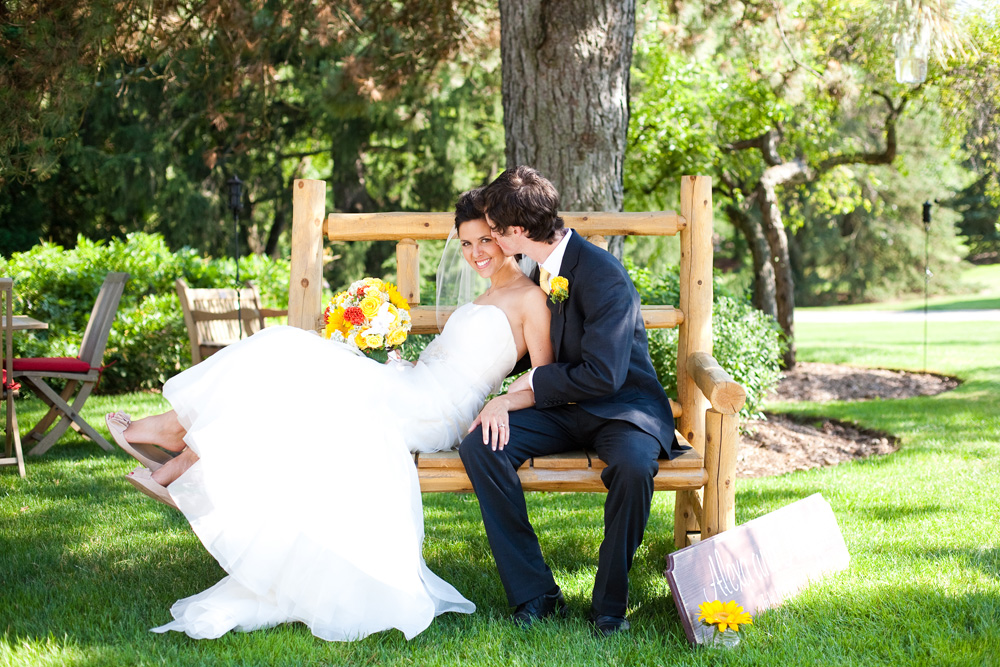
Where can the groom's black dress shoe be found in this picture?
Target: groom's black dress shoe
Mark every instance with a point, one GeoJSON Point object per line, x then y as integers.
{"type": "Point", "coordinates": [605, 626]}
{"type": "Point", "coordinates": [541, 607]}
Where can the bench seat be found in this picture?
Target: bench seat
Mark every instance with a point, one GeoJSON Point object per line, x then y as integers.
{"type": "Point", "coordinates": [569, 471]}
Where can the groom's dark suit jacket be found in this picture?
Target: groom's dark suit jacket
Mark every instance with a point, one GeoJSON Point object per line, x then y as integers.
{"type": "Point", "coordinates": [600, 347]}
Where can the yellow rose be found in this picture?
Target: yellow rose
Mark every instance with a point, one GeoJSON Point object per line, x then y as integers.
{"type": "Point", "coordinates": [370, 305]}
{"type": "Point", "coordinates": [373, 340]}
{"type": "Point", "coordinates": [558, 289]}
{"type": "Point", "coordinates": [396, 337]}
{"type": "Point", "coordinates": [361, 342]}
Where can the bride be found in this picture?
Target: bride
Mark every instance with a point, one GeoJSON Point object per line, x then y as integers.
{"type": "Point", "coordinates": [291, 458]}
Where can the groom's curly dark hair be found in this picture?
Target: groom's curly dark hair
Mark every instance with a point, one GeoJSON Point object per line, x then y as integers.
{"type": "Point", "coordinates": [521, 197]}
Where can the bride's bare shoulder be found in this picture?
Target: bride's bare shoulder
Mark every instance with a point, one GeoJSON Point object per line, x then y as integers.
{"type": "Point", "coordinates": [533, 302]}
{"type": "Point", "coordinates": [528, 286]}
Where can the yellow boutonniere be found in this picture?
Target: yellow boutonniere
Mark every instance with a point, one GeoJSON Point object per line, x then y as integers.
{"type": "Point", "coordinates": [558, 289]}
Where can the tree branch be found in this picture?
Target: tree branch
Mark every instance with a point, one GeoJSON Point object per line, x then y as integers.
{"type": "Point", "coordinates": [885, 156]}
{"type": "Point", "coordinates": [766, 143]}
{"type": "Point", "coordinates": [298, 156]}
{"type": "Point", "coordinates": [784, 40]}
{"type": "Point", "coordinates": [796, 171]}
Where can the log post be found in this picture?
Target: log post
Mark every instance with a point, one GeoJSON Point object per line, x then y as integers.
{"type": "Point", "coordinates": [722, 437]}
{"type": "Point", "coordinates": [305, 285]}
{"type": "Point", "coordinates": [695, 331]}
{"type": "Point", "coordinates": [408, 270]}
{"type": "Point", "coordinates": [598, 240]}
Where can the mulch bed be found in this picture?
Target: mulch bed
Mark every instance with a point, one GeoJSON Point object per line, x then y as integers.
{"type": "Point", "coordinates": [781, 444]}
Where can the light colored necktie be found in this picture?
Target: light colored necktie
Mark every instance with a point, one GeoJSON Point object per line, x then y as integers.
{"type": "Point", "coordinates": [544, 280]}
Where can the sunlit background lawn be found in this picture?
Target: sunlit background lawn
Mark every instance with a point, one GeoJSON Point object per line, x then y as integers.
{"type": "Point", "coordinates": [88, 565]}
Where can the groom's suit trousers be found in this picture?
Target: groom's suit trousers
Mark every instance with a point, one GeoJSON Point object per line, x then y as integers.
{"type": "Point", "coordinates": [601, 392]}
{"type": "Point", "coordinates": [631, 457]}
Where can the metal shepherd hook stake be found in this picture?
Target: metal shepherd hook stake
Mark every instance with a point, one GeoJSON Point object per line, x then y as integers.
{"type": "Point", "coordinates": [927, 269]}
{"type": "Point", "coordinates": [236, 205]}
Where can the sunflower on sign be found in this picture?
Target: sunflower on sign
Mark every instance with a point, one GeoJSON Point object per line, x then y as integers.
{"type": "Point", "coordinates": [371, 316]}
{"type": "Point", "coordinates": [725, 619]}
{"type": "Point", "coordinates": [725, 616]}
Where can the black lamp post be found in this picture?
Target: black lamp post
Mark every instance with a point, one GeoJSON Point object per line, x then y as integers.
{"type": "Point", "coordinates": [927, 269]}
{"type": "Point", "coordinates": [236, 205]}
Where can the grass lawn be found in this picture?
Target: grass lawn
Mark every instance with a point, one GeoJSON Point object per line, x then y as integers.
{"type": "Point", "coordinates": [88, 565]}
{"type": "Point", "coordinates": [979, 289]}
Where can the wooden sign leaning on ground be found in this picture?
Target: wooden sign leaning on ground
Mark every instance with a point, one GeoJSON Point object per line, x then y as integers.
{"type": "Point", "coordinates": [758, 564]}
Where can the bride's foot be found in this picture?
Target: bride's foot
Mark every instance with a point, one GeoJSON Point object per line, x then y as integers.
{"type": "Point", "coordinates": [147, 454]}
{"type": "Point", "coordinates": [171, 471]}
{"type": "Point", "coordinates": [143, 480]}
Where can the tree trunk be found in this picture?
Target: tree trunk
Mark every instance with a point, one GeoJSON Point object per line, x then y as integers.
{"type": "Point", "coordinates": [347, 176]}
{"type": "Point", "coordinates": [784, 281]}
{"type": "Point", "coordinates": [763, 285]}
{"type": "Point", "coordinates": [565, 94]}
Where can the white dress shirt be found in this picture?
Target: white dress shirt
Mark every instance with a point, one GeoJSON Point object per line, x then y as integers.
{"type": "Point", "coordinates": [552, 264]}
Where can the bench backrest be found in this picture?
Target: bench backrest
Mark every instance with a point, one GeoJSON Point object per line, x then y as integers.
{"type": "Point", "coordinates": [692, 224]}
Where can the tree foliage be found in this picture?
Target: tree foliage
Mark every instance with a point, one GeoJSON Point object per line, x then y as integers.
{"type": "Point", "coordinates": [794, 110]}
{"type": "Point", "coordinates": [394, 103]}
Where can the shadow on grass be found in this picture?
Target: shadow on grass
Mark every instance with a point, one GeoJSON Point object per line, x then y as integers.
{"type": "Point", "coordinates": [966, 304]}
{"type": "Point", "coordinates": [890, 513]}
{"type": "Point", "coordinates": [887, 625]}
{"type": "Point", "coordinates": [985, 559]}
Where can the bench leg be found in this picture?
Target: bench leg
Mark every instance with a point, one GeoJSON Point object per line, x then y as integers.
{"type": "Point", "coordinates": [687, 518]}
{"type": "Point", "coordinates": [721, 445]}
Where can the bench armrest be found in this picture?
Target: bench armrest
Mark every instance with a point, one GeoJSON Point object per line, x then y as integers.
{"type": "Point", "coordinates": [726, 395]}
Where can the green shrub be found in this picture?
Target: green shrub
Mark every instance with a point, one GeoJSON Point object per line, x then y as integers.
{"type": "Point", "coordinates": [746, 342]}
{"type": "Point", "coordinates": [148, 342]}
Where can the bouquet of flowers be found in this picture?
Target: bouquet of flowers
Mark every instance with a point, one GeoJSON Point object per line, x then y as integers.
{"type": "Point", "coordinates": [371, 316]}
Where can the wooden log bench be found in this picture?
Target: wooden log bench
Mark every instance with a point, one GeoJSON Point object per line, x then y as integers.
{"type": "Point", "coordinates": [708, 400]}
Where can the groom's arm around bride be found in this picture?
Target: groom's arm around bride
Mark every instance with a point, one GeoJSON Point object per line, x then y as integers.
{"type": "Point", "coordinates": [601, 393]}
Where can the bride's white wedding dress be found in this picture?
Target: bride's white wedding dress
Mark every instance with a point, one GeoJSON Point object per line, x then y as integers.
{"type": "Point", "coordinates": [306, 492]}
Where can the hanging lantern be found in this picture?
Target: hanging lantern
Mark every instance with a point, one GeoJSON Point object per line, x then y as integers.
{"type": "Point", "coordinates": [235, 194]}
{"type": "Point", "coordinates": [912, 47]}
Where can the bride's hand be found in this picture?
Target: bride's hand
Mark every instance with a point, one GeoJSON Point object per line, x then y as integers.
{"type": "Point", "coordinates": [396, 360]}
{"type": "Point", "coordinates": [495, 420]}
{"type": "Point", "coordinates": [522, 383]}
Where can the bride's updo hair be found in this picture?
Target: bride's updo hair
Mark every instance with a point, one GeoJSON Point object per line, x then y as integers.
{"type": "Point", "coordinates": [469, 207]}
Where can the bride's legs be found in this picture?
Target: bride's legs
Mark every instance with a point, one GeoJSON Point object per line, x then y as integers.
{"type": "Point", "coordinates": [174, 468]}
{"type": "Point", "coordinates": [163, 430]}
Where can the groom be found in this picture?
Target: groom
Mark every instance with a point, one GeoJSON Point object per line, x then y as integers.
{"type": "Point", "coordinates": [601, 392]}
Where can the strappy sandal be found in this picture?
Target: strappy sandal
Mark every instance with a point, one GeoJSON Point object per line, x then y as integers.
{"type": "Point", "coordinates": [143, 480]}
{"type": "Point", "coordinates": [150, 456]}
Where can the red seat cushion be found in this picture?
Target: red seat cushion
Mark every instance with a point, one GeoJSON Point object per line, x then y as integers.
{"type": "Point", "coordinates": [52, 365]}
{"type": "Point", "coordinates": [13, 386]}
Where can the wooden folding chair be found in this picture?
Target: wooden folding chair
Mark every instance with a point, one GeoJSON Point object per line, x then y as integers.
{"type": "Point", "coordinates": [212, 316]}
{"type": "Point", "coordinates": [9, 388]}
{"type": "Point", "coordinates": [81, 373]}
